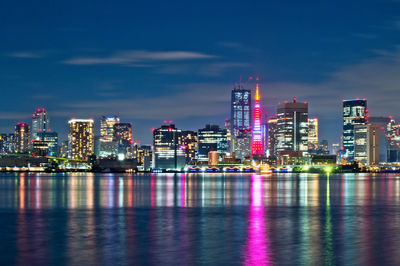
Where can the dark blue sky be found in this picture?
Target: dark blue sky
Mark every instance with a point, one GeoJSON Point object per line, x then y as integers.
{"type": "Point", "coordinates": [149, 61]}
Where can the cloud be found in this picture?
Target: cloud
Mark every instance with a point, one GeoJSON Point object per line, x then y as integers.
{"type": "Point", "coordinates": [216, 69]}
{"type": "Point", "coordinates": [139, 58]}
{"type": "Point", "coordinates": [184, 101]}
{"type": "Point", "coordinates": [13, 116]}
{"type": "Point", "coordinates": [26, 55]}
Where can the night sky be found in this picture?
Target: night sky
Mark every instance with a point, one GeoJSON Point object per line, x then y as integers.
{"type": "Point", "coordinates": [149, 61]}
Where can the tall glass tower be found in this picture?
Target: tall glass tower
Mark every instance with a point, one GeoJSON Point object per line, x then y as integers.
{"type": "Point", "coordinates": [354, 113]}
{"type": "Point", "coordinates": [40, 123]}
{"type": "Point", "coordinates": [240, 109]}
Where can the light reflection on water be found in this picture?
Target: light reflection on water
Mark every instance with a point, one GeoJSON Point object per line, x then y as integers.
{"type": "Point", "coordinates": [121, 219]}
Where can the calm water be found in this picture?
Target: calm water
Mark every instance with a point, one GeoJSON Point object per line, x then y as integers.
{"type": "Point", "coordinates": [178, 219]}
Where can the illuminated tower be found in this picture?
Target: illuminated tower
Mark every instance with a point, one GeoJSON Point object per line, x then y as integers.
{"type": "Point", "coordinates": [81, 138]}
{"type": "Point", "coordinates": [22, 137]}
{"type": "Point", "coordinates": [40, 123]}
{"type": "Point", "coordinates": [240, 109]}
{"type": "Point", "coordinates": [354, 113]}
{"type": "Point", "coordinates": [107, 127]}
{"type": "Point", "coordinates": [257, 142]}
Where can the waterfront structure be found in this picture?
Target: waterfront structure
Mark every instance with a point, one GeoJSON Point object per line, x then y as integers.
{"type": "Point", "coordinates": [354, 113]}
{"type": "Point", "coordinates": [40, 123]}
{"type": "Point", "coordinates": [22, 134]}
{"type": "Point", "coordinates": [51, 138]}
{"type": "Point", "coordinates": [292, 126]}
{"type": "Point", "coordinates": [211, 138]}
{"type": "Point", "coordinates": [366, 144]}
{"type": "Point", "coordinates": [168, 153]}
{"type": "Point", "coordinates": [272, 138]}
{"type": "Point", "coordinates": [81, 138]}
{"type": "Point", "coordinates": [257, 149]}
{"type": "Point", "coordinates": [64, 149]}
{"type": "Point", "coordinates": [190, 146]}
{"type": "Point", "coordinates": [313, 140]}
{"type": "Point", "coordinates": [240, 109]}
{"type": "Point", "coordinates": [213, 158]}
{"type": "Point", "coordinates": [123, 138]}
{"type": "Point", "coordinates": [242, 144]}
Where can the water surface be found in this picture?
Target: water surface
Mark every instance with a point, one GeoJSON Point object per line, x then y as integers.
{"type": "Point", "coordinates": [191, 219]}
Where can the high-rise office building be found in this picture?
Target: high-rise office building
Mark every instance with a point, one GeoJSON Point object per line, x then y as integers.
{"type": "Point", "coordinates": [313, 135]}
{"type": "Point", "coordinates": [257, 148]}
{"type": "Point", "coordinates": [190, 145]}
{"type": "Point", "coordinates": [123, 134]}
{"type": "Point", "coordinates": [393, 133]}
{"type": "Point", "coordinates": [240, 109]}
{"type": "Point", "coordinates": [229, 135]}
{"type": "Point", "coordinates": [40, 123]}
{"type": "Point", "coordinates": [384, 141]}
{"type": "Point", "coordinates": [107, 127]}
{"type": "Point", "coordinates": [242, 144]}
{"type": "Point", "coordinates": [211, 138]}
{"type": "Point", "coordinates": [292, 126]}
{"type": "Point", "coordinates": [354, 113]}
{"type": "Point", "coordinates": [81, 138]}
{"type": "Point", "coordinates": [272, 138]}
{"type": "Point", "coordinates": [168, 152]}
{"type": "Point", "coordinates": [22, 135]}
{"type": "Point", "coordinates": [51, 138]}
{"type": "Point", "coordinates": [366, 144]}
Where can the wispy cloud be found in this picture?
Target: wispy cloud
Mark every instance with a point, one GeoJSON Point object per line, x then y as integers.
{"type": "Point", "coordinates": [138, 58]}
{"type": "Point", "coordinates": [25, 55]}
{"type": "Point", "coordinates": [13, 115]}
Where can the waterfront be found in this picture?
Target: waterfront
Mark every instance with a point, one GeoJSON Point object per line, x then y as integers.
{"type": "Point", "coordinates": [189, 219]}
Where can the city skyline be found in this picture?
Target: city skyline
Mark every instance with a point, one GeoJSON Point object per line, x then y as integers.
{"type": "Point", "coordinates": [73, 70]}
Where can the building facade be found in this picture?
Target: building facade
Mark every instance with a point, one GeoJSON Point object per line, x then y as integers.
{"type": "Point", "coordinates": [366, 144]}
{"type": "Point", "coordinates": [272, 138]}
{"type": "Point", "coordinates": [240, 109]}
{"type": "Point", "coordinates": [40, 123]}
{"type": "Point", "coordinates": [81, 138]}
{"type": "Point", "coordinates": [292, 126]}
{"type": "Point", "coordinates": [51, 138]}
{"type": "Point", "coordinates": [313, 139]}
{"type": "Point", "coordinates": [211, 138]}
{"type": "Point", "coordinates": [22, 136]}
{"type": "Point", "coordinates": [190, 146]}
{"type": "Point", "coordinates": [354, 113]}
{"type": "Point", "coordinates": [168, 152]}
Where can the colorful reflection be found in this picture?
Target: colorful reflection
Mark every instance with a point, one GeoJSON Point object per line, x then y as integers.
{"type": "Point", "coordinates": [257, 250]}
{"type": "Point", "coordinates": [306, 219]}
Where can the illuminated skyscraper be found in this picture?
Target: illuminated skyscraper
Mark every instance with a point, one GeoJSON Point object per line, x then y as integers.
{"type": "Point", "coordinates": [190, 145]}
{"type": "Point", "coordinates": [257, 148]}
{"type": "Point", "coordinates": [40, 123]}
{"type": "Point", "coordinates": [51, 138]}
{"type": "Point", "coordinates": [168, 152]}
{"type": "Point", "coordinates": [240, 109]}
{"type": "Point", "coordinates": [81, 138]}
{"type": "Point", "coordinates": [366, 144]}
{"type": "Point", "coordinates": [292, 126]}
{"type": "Point", "coordinates": [242, 144]}
{"type": "Point", "coordinates": [354, 113]}
{"type": "Point", "coordinates": [123, 133]}
{"type": "Point", "coordinates": [22, 134]}
{"type": "Point", "coordinates": [313, 135]}
{"type": "Point", "coordinates": [211, 138]}
{"type": "Point", "coordinates": [107, 127]}
{"type": "Point", "coordinates": [272, 138]}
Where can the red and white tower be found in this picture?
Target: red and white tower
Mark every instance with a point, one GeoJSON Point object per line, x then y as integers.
{"type": "Point", "coordinates": [257, 148]}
